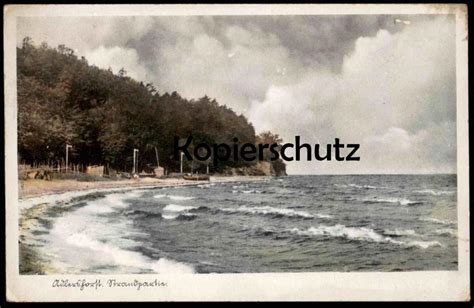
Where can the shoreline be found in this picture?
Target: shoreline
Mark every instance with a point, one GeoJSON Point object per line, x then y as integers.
{"type": "Point", "coordinates": [39, 188]}
{"type": "Point", "coordinates": [37, 199]}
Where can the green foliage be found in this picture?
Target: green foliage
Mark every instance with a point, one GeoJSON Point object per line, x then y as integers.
{"type": "Point", "coordinates": [62, 99]}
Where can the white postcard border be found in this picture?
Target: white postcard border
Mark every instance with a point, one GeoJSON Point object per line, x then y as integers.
{"type": "Point", "coordinates": [321, 286]}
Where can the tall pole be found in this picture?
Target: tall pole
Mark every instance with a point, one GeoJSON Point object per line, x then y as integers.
{"type": "Point", "coordinates": [135, 161]}
{"type": "Point", "coordinates": [181, 165]}
{"type": "Point", "coordinates": [157, 157]}
{"type": "Point", "coordinates": [67, 155]}
{"type": "Point", "coordinates": [207, 167]}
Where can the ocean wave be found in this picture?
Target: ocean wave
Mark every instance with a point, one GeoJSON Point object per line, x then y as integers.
{"type": "Point", "coordinates": [173, 197]}
{"type": "Point", "coordinates": [247, 191]}
{"type": "Point", "coordinates": [180, 198]}
{"type": "Point", "coordinates": [239, 186]}
{"type": "Point", "coordinates": [178, 212]}
{"type": "Point", "coordinates": [401, 201]}
{"type": "Point", "coordinates": [268, 210]}
{"type": "Point", "coordinates": [435, 192]}
{"type": "Point", "coordinates": [72, 196]}
{"type": "Point", "coordinates": [437, 221]}
{"type": "Point", "coordinates": [422, 244]}
{"type": "Point", "coordinates": [359, 234]}
{"type": "Point", "coordinates": [126, 258]}
{"type": "Point", "coordinates": [261, 210]}
{"type": "Point", "coordinates": [178, 208]}
{"type": "Point", "coordinates": [398, 232]}
{"type": "Point", "coordinates": [360, 186]}
{"type": "Point", "coordinates": [167, 266]}
{"type": "Point", "coordinates": [113, 248]}
{"type": "Point", "coordinates": [206, 185]}
{"type": "Point", "coordinates": [199, 209]}
{"type": "Point", "coordinates": [181, 216]}
{"type": "Point", "coordinates": [343, 231]}
{"type": "Point", "coordinates": [141, 213]}
{"type": "Point", "coordinates": [110, 203]}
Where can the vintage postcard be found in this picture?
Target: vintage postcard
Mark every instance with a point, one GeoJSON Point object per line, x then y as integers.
{"type": "Point", "coordinates": [236, 152]}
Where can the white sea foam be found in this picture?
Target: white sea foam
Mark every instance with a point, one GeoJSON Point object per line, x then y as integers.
{"type": "Point", "coordinates": [265, 210]}
{"type": "Point", "coordinates": [79, 242]}
{"type": "Point", "coordinates": [323, 216]}
{"type": "Point", "coordinates": [169, 216]}
{"type": "Point", "coordinates": [166, 266]}
{"type": "Point", "coordinates": [173, 197]}
{"type": "Point", "coordinates": [177, 208]}
{"type": "Point", "coordinates": [360, 186]}
{"type": "Point", "coordinates": [401, 201]}
{"type": "Point", "coordinates": [205, 185]}
{"type": "Point", "coordinates": [180, 198]}
{"type": "Point", "coordinates": [435, 192]}
{"type": "Point", "coordinates": [343, 231]}
{"type": "Point", "coordinates": [422, 244]}
{"type": "Point", "coordinates": [247, 191]}
{"type": "Point", "coordinates": [239, 186]}
{"type": "Point", "coordinates": [109, 203]}
{"type": "Point", "coordinates": [126, 258]}
{"type": "Point", "coordinates": [360, 234]}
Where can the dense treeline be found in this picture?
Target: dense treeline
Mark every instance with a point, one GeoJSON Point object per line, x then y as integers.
{"type": "Point", "coordinates": [104, 116]}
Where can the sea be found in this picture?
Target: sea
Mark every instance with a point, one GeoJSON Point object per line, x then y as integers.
{"type": "Point", "coordinates": [313, 223]}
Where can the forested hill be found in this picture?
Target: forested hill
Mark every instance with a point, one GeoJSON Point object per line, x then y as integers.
{"type": "Point", "coordinates": [104, 116]}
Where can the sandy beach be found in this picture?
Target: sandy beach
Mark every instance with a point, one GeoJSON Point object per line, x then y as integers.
{"type": "Point", "coordinates": [37, 188]}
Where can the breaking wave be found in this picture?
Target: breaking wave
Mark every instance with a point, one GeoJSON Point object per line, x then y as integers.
{"type": "Point", "coordinates": [173, 197]}
{"type": "Point", "coordinates": [398, 232]}
{"type": "Point", "coordinates": [178, 208]}
{"type": "Point", "coordinates": [359, 234]}
{"type": "Point", "coordinates": [104, 248]}
{"type": "Point", "coordinates": [360, 186]}
{"type": "Point", "coordinates": [435, 192]}
{"type": "Point", "coordinates": [247, 191]}
{"type": "Point", "coordinates": [268, 210]}
{"type": "Point", "coordinates": [401, 201]}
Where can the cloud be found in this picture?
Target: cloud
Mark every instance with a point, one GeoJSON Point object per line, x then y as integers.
{"type": "Point", "coordinates": [363, 79]}
{"type": "Point", "coordinates": [117, 58]}
{"type": "Point", "coordinates": [394, 88]}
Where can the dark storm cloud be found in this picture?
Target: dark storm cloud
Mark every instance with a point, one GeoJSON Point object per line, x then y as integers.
{"type": "Point", "coordinates": [322, 39]}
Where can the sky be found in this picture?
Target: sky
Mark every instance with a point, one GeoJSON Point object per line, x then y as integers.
{"type": "Point", "coordinates": [367, 79]}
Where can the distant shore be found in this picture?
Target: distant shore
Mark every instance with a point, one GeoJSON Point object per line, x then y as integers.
{"type": "Point", "coordinates": [36, 188]}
